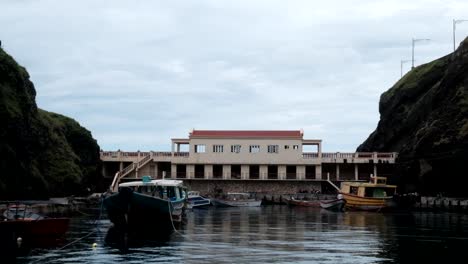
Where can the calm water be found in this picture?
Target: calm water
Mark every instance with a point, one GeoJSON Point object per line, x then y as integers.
{"type": "Point", "coordinates": [279, 234]}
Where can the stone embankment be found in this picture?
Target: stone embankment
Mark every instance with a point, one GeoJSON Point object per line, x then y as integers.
{"type": "Point", "coordinates": [442, 204]}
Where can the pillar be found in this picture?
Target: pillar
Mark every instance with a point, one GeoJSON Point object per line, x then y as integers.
{"type": "Point", "coordinates": [281, 172]}
{"type": "Point", "coordinates": [173, 171]}
{"type": "Point", "coordinates": [209, 171]}
{"type": "Point", "coordinates": [226, 172]}
{"type": "Point", "coordinates": [263, 172]}
{"type": "Point", "coordinates": [121, 166]}
{"type": "Point", "coordinates": [190, 169]}
{"type": "Point", "coordinates": [356, 171]}
{"type": "Point", "coordinates": [375, 170]}
{"type": "Point", "coordinates": [104, 170]}
{"type": "Point", "coordinates": [337, 171]}
{"type": "Point", "coordinates": [300, 172]}
{"type": "Point", "coordinates": [244, 172]}
{"type": "Point", "coordinates": [318, 172]}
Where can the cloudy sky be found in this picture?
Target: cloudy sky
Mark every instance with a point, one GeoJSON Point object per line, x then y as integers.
{"type": "Point", "coordinates": [137, 73]}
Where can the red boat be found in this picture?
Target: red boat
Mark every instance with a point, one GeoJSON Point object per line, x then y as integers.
{"type": "Point", "coordinates": [34, 230]}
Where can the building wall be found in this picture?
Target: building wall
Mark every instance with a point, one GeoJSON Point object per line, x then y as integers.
{"type": "Point", "coordinates": [284, 156]}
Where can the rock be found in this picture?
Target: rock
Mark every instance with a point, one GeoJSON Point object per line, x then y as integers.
{"type": "Point", "coordinates": [424, 117]}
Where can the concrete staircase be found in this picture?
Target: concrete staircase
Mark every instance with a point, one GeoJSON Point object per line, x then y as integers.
{"type": "Point", "coordinates": [127, 170]}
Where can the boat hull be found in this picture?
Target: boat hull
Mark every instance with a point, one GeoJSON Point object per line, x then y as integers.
{"type": "Point", "coordinates": [45, 232]}
{"type": "Point", "coordinates": [355, 202]}
{"type": "Point", "coordinates": [134, 211]}
{"type": "Point", "coordinates": [334, 205]}
{"type": "Point", "coordinates": [238, 203]}
{"type": "Point", "coordinates": [305, 203]}
{"type": "Point", "coordinates": [199, 202]}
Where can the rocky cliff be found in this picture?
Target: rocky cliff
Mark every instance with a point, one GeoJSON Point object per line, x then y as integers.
{"type": "Point", "coordinates": [424, 117]}
{"type": "Point", "coordinates": [42, 154]}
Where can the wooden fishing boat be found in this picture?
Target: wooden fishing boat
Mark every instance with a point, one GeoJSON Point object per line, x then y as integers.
{"type": "Point", "coordinates": [147, 205]}
{"type": "Point", "coordinates": [334, 205]}
{"type": "Point", "coordinates": [236, 200]}
{"type": "Point", "coordinates": [373, 195]}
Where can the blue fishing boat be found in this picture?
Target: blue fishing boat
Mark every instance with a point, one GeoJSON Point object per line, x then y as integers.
{"type": "Point", "coordinates": [148, 205]}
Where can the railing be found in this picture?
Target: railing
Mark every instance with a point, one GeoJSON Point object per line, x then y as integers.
{"type": "Point", "coordinates": [181, 154]}
{"type": "Point", "coordinates": [144, 161]}
{"type": "Point", "coordinates": [309, 155]}
{"type": "Point", "coordinates": [120, 154]}
{"type": "Point", "coordinates": [364, 155]}
{"type": "Point", "coordinates": [127, 170]}
{"type": "Point", "coordinates": [162, 154]}
{"type": "Point", "coordinates": [306, 155]}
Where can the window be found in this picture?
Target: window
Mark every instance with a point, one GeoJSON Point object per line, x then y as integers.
{"type": "Point", "coordinates": [254, 148]}
{"type": "Point", "coordinates": [218, 148]}
{"type": "Point", "coordinates": [295, 146]}
{"type": "Point", "coordinates": [235, 148]}
{"type": "Point", "coordinates": [273, 148]}
{"type": "Point", "coordinates": [286, 146]}
{"type": "Point", "coordinates": [199, 148]}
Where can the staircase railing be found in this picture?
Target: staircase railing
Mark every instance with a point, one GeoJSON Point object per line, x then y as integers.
{"type": "Point", "coordinates": [125, 171]}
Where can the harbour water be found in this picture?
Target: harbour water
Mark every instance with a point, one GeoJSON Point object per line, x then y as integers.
{"type": "Point", "coordinates": [276, 234]}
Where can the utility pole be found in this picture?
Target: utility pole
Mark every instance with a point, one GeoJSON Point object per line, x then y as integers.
{"type": "Point", "coordinates": [401, 66]}
{"type": "Point", "coordinates": [455, 22]}
{"type": "Point", "coordinates": [412, 53]}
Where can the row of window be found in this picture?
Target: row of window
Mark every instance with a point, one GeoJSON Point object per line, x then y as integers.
{"type": "Point", "coordinates": [237, 148]}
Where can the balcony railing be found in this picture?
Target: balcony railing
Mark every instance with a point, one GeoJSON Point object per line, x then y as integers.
{"type": "Point", "coordinates": [305, 155]}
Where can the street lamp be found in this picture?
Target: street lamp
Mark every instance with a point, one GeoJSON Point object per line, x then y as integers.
{"type": "Point", "coordinates": [412, 54]}
{"type": "Point", "coordinates": [401, 66]}
{"type": "Point", "coordinates": [455, 22]}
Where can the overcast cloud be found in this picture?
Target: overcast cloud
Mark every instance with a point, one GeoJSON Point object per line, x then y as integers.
{"type": "Point", "coordinates": [137, 73]}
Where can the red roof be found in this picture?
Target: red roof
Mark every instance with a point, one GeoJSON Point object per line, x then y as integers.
{"type": "Point", "coordinates": [246, 134]}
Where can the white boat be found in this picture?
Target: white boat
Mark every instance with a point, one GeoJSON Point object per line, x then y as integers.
{"type": "Point", "coordinates": [196, 200]}
{"type": "Point", "coordinates": [236, 200]}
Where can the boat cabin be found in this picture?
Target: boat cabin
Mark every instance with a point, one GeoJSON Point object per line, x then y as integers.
{"type": "Point", "coordinates": [376, 188]}
{"type": "Point", "coordinates": [164, 189]}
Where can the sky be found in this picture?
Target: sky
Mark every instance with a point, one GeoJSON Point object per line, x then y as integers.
{"type": "Point", "coordinates": [138, 73]}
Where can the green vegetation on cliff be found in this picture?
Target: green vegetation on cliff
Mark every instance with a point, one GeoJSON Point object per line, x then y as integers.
{"type": "Point", "coordinates": [42, 154]}
{"type": "Point", "coordinates": [424, 117]}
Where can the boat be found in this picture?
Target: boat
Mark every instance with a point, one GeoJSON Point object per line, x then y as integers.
{"type": "Point", "coordinates": [195, 200]}
{"type": "Point", "coordinates": [334, 205]}
{"type": "Point", "coordinates": [236, 200]}
{"type": "Point", "coordinates": [369, 196]}
{"type": "Point", "coordinates": [19, 221]}
{"type": "Point", "coordinates": [147, 205]}
{"type": "Point", "coordinates": [307, 203]}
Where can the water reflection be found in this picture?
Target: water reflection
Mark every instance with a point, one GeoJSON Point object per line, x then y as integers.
{"type": "Point", "coordinates": [280, 234]}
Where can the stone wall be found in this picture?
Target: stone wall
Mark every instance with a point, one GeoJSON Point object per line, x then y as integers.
{"type": "Point", "coordinates": [211, 187]}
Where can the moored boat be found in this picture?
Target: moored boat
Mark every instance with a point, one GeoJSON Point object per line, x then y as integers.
{"type": "Point", "coordinates": [370, 196]}
{"type": "Point", "coordinates": [196, 200]}
{"type": "Point", "coordinates": [236, 200]}
{"type": "Point", "coordinates": [334, 205]}
{"type": "Point", "coordinates": [147, 205]}
{"type": "Point", "coordinates": [307, 203]}
{"type": "Point", "coordinates": [20, 222]}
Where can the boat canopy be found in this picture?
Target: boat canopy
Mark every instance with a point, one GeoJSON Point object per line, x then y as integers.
{"type": "Point", "coordinates": [172, 183]}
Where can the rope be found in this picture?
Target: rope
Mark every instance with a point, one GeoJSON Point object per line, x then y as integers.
{"type": "Point", "coordinates": [172, 221]}
{"type": "Point", "coordinates": [96, 223]}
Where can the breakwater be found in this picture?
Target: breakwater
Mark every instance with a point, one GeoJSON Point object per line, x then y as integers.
{"type": "Point", "coordinates": [438, 203]}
